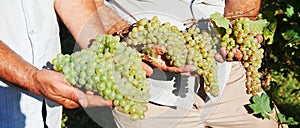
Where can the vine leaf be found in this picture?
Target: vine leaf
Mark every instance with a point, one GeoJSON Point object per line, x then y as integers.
{"type": "Point", "coordinates": [289, 11]}
{"type": "Point", "coordinates": [269, 32]}
{"type": "Point", "coordinates": [220, 20]}
{"type": "Point", "coordinates": [291, 35]}
{"type": "Point", "coordinates": [288, 121]}
{"type": "Point", "coordinates": [261, 105]}
{"type": "Point", "coordinates": [258, 25]}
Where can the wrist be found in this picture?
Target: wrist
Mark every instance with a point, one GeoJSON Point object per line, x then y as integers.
{"type": "Point", "coordinates": [107, 15]}
{"type": "Point", "coordinates": [34, 83]}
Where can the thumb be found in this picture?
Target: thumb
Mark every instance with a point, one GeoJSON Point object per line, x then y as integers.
{"type": "Point", "coordinates": [96, 100]}
{"type": "Point", "coordinates": [82, 99]}
{"type": "Point", "coordinates": [90, 100]}
{"type": "Point", "coordinates": [147, 68]}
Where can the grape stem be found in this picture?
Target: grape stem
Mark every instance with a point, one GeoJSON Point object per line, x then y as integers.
{"type": "Point", "coordinates": [276, 112]}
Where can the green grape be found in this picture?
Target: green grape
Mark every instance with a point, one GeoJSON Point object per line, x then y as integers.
{"type": "Point", "coordinates": [108, 68]}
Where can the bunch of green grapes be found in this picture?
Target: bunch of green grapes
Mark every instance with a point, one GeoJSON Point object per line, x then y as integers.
{"type": "Point", "coordinates": [147, 33]}
{"type": "Point", "coordinates": [111, 69]}
{"type": "Point", "coordinates": [182, 47]}
{"type": "Point", "coordinates": [242, 37]}
{"type": "Point", "coordinates": [201, 50]}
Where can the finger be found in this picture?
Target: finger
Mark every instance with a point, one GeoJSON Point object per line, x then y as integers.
{"type": "Point", "coordinates": [229, 59]}
{"type": "Point", "coordinates": [69, 98]}
{"type": "Point", "coordinates": [89, 92]}
{"type": "Point", "coordinates": [159, 49]}
{"type": "Point", "coordinates": [147, 58]}
{"type": "Point", "coordinates": [187, 68]}
{"type": "Point", "coordinates": [64, 93]}
{"type": "Point", "coordinates": [95, 100]}
{"type": "Point", "coordinates": [68, 103]}
{"type": "Point", "coordinates": [219, 58]}
{"type": "Point", "coordinates": [162, 66]}
{"type": "Point", "coordinates": [82, 99]}
{"type": "Point", "coordinates": [147, 68]}
{"type": "Point", "coordinates": [237, 53]}
{"type": "Point", "coordinates": [259, 38]}
{"type": "Point", "coordinates": [223, 52]}
{"type": "Point", "coordinates": [181, 69]}
{"type": "Point", "coordinates": [75, 95]}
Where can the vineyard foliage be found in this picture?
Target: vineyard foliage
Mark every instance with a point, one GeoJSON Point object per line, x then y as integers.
{"type": "Point", "coordinates": [282, 56]}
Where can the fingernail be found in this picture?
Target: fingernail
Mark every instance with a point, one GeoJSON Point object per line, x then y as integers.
{"type": "Point", "coordinates": [110, 103]}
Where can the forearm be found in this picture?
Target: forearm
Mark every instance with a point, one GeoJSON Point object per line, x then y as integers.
{"type": "Point", "coordinates": [16, 70]}
{"type": "Point", "coordinates": [242, 8]}
{"type": "Point", "coordinates": [111, 21]}
{"type": "Point", "coordinates": [81, 18]}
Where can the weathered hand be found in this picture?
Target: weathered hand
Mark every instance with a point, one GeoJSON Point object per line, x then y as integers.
{"type": "Point", "coordinates": [160, 63]}
{"type": "Point", "coordinates": [54, 86]}
{"type": "Point", "coordinates": [238, 55]}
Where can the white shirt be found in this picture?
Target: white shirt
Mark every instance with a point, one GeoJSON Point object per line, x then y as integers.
{"type": "Point", "coordinates": [163, 88]}
{"type": "Point", "coordinates": [29, 28]}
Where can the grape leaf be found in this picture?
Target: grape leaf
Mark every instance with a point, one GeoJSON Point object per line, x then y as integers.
{"type": "Point", "coordinates": [289, 11]}
{"type": "Point", "coordinates": [258, 25]}
{"type": "Point", "coordinates": [291, 35]}
{"type": "Point", "coordinates": [261, 105]}
{"type": "Point", "coordinates": [220, 20]}
{"type": "Point", "coordinates": [288, 121]}
{"type": "Point", "coordinates": [269, 32]}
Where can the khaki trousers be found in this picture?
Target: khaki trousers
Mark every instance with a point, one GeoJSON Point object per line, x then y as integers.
{"type": "Point", "coordinates": [228, 112]}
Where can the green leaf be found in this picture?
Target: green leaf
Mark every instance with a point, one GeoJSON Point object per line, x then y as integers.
{"type": "Point", "coordinates": [269, 32]}
{"type": "Point", "coordinates": [289, 121]}
{"type": "Point", "coordinates": [291, 35]}
{"type": "Point", "coordinates": [258, 25]}
{"type": "Point", "coordinates": [219, 20]}
{"type": "Point", "coordinates": [290, 11]}
{"type": "Point", "coordinates": [261, 105]}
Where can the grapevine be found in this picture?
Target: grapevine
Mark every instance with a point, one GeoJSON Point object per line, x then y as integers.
{"type": "Point", "coordinates": [182, 47]}
{"type": "Point", "coordinates": [111, 69]}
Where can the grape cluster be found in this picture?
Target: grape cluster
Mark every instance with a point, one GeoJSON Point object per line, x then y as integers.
{"type": "Point", "coordinates": [111, 69]}
{"type": "Point", "coordinates": [190, 46]}
{"type": "Point", "coordinates": [147, 33]}
{"type": "Point", "coordinates": [242, 37]}
{"type": "Point", "coordinates": [201, 50]}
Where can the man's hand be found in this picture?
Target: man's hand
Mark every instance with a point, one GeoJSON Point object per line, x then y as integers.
{"type": "Point", "coordinates": [54, 86]}
{"type": "Point", "coordinates": [160, 63]}
{"type": "Point", "coordinates": [238, 55]}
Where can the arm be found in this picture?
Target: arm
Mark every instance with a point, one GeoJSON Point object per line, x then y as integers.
{"type": "Point", "coordinates": [88, 18]}
{"type": "Point", "coordinates": [81, 18]}
{"type": "Point", "coordinates": [46, 83]}
{"type": "Point", "coordinates": [16, 70]}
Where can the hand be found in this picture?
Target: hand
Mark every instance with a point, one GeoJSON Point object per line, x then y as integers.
{"type": "Point", "coordinates": [54, 86]}
{"type": "Point", "coordinates": [160, 63]}
{"type": "Point", "coordinates": [238, 55]}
